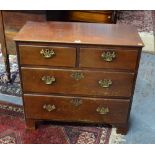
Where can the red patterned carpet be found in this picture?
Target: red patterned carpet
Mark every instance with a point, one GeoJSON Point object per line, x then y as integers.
{"type": "Point", "coordinates": [12, 130]}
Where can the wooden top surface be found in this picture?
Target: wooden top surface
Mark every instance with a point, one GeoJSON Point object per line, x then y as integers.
{"type": "Point", "coordinates": [80, 33]}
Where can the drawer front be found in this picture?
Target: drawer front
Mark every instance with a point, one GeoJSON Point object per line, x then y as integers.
{"type": "Point", "coordinates": [82, 82]}
{"type": "Point", "coordinates": [108, 58]}
{"type": "Point", "coordinates": [76, 109]}
{"type": "Point", "coordinates": [88, 16]}
{"type": "Point", "coordinates": [47, 55]}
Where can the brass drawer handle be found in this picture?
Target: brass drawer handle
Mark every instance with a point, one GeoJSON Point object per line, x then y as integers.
{"type": "Point", "coordinates": [105, 83]}
{"type": "Point", "coordinates": [77, 75]}
{"type": "Point", "coordinates": [49, 107]}
{"type": "Point", "coordinates": [108, 56]}
{"type": "Point", "coordinates": [47, 53]}
{"type": "Point", "coordinates": [48, 80]}
{"type": "Point", "coordinates": [109, 17]}
{"type": "Point", "coordinates": [102, 110]}
{"type": "Point", "coordinates": [76, 102]}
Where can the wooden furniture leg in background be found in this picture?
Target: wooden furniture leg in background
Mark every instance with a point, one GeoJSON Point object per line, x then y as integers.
{"type": "Point", "coordinates": [4, 48]}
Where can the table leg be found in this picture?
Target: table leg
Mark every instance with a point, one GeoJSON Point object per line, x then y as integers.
{"type": "Point", "coordinates": [7, 67]}
{"type": "Point", "coordinates": [4, 48]}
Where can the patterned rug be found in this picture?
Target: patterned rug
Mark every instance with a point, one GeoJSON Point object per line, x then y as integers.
{"type": "Point", "coordinates": [12, 131]}
{"type": "Point", "coordinates": [13, 88]}
{"type": "Point", "coordinates": [144, 21]}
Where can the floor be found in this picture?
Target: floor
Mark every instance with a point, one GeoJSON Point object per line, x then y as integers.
{"type": "Point", "coordinates": [142, 118]}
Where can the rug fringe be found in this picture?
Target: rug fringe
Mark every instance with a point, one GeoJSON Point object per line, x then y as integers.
{"type": "Point", "coordinates": [116, 138]}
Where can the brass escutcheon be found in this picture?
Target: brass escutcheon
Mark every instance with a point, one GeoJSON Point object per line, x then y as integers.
{"type": "Point", "coordinates": [47, 53]}
{"type": "Point", "coordinates": [105, 83]}
{"type": "Point", "coordinates": [49, 107]}
{"type": "Point", "coordinates": [77, 75]}
{"type": "Point", "coordinates": [108, 56]}
{"type": "Point", "coordinates": [48, 80]}
{"type": "Point", "coordinates": [102, 110]}
{"type": "Point", "coordinates": [76, 101]}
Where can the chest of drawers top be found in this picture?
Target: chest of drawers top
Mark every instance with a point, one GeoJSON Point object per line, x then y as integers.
{"type": "Point", "coordinates": [80, 33]}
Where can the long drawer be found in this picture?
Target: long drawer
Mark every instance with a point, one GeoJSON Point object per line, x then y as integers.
{"type": "Point", "coordinates": [108, 58]}
{"type": "Point", "coordinates": [47, 55]}
{"type": "Point", "coordinates": [83, 82]}
{"type": "Point", "coordinates": [82, 109]}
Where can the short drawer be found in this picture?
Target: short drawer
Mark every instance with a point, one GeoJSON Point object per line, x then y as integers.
{"type": "Point", "coordinates": [97, 110]}
{"type": "Point", "coordinates": [108, 58]}
{"type": "Point", "coordinates": [47, 55]}
{"type": "Point", "coordinates": [84, 82]}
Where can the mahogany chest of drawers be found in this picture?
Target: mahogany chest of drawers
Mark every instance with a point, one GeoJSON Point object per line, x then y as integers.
{"type": "Point", "coordinates": [78, 72]}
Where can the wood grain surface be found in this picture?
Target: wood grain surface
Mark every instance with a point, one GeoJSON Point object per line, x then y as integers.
{"type": "Point", "coordinates": [64, 56]}
{"type": "Point", "coordinates": [80, 33]}
{"type": "Point", "coordinates": [66, 84]}
{"type": "Point", "coordinates": [124, 58]}
{"type": "Point", "coordinates": [65, 110]}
